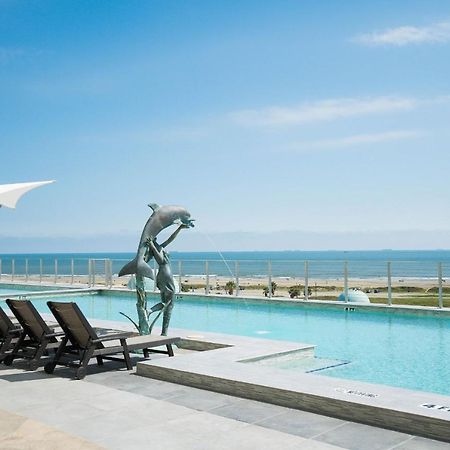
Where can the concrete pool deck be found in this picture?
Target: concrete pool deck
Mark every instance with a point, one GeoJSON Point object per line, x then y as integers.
{"type": "Point", "coordinates": [115, 409]}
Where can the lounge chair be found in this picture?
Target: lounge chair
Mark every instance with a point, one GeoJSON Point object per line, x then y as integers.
{"type": "Point", "coordinates": [36, 337]}
{"type": "Point", "coordinates": [9, 332]}
{"type": "Point", "coordinates": [86, 341]}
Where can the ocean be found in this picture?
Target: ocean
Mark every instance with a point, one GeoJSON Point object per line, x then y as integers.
{"type": "Point", "coordinates": [321, 264]}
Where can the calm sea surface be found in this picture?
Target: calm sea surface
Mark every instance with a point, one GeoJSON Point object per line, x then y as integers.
{"type": "Point", "coordinates": [322, 264]}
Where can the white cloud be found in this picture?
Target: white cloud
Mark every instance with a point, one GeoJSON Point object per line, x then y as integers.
{"type": "Point", "coordinates": [324, 110]}
{"type": "Point", "coordinates": [357, 140]}
{"type": "Point", "coordinates": [436, 33]}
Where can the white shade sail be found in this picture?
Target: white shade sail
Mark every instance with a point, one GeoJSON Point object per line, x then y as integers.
{"type": "Point", "coordinates": [11, 193]}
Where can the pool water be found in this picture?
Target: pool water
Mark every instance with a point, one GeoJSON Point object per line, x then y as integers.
{"type": "Point", "coordinates": [383, 347]}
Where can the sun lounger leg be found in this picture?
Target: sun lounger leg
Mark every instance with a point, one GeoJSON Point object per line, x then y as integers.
{"type": "Point", "coordinates": [169, 349]}
{"type": "Point", "coordinates": [126, 354]}
{"type": "Point", "coordinates": [4, 347]}
{"type": "Point", "coordinates": [34, 362]}
{"type": "Point", "coordinates": [99, 361]}
{"type": "Point", "coordinates": [87, 355]}
{"type": "Point", "coordinates": [50, 366]}
{"type": "Point", "coordinates": [8, 360]}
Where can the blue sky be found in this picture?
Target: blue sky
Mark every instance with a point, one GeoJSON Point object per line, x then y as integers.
{"type": "Point", "coordinates": [260, 117]}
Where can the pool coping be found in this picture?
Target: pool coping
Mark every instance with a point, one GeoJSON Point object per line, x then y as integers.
{"type": "Point", "coordinates": [50, 293]}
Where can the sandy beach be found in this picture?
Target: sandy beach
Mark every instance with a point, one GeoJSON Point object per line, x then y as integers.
{"type": "Point", "coordinates": [319, 288]}
{"type": "Point", "coordinates": [403, 289]}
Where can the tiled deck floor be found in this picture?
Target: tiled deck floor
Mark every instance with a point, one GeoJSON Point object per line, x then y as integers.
{"type": "Point", "coordinates": [116, 409]}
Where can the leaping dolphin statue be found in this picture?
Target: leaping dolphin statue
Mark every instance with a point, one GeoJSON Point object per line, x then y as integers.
{"type": "Point", "coordinates": [161, 218]}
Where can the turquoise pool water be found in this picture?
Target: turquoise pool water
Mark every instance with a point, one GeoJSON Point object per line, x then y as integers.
{"type": "Point", "coordinates": [383, 347]}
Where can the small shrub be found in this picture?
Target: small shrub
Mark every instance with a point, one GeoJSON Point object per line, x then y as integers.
{"type": "Point", "coordinates": [298, 291]}
{"type": "Point", "coordinates": [230, 286]}
{"type": "Point", "coordinates": [295, 291]}
{"type": "Point", "coordinates": [266, 289]}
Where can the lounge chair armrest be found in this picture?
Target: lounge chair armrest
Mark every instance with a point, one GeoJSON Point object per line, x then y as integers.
{"type": "Point", "coordinates": [15, 331]}
{"type": "Point", "coordinates": [57, 334]}
{"type": "Point", "coordinates": [112, 337]}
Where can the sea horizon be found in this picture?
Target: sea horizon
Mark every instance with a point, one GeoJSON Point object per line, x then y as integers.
{"type": "Point", "coordinates": [383, 250]}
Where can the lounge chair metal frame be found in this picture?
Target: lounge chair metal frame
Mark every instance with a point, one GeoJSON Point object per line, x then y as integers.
{"type": "Point", "coordinates": [85, 340]}
{"type": "Point", "coordinates": [36, 337]}
{"type": "Point", "coordinates": [9, 332]}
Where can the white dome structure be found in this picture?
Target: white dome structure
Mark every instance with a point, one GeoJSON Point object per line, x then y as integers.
{"type": "Point", "coordinates": [355, 296]}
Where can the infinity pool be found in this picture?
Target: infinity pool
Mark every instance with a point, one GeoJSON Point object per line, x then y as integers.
{"type": "Point", "coordinates": [403, 350]}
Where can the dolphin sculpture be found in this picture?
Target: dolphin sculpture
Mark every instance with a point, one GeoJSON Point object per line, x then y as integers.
{"type": "Point", "coordinates": [161, 218]}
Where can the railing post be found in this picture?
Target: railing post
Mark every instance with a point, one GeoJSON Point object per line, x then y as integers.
{"type": "Point", "coordinates": [269, 271]}
{"type": "Point", "coordinates": [72, 269]}
{"type": "Point", "coordinates": [93, 271]}
{"type": "Point", "coordinates": [180, 266]}
{"type": "Point", "coordinates": [110, 274]}
{"type": "Point", "coordinates": [236, 271]}
{"type": "Point", "coordinates": [440, 300]}
{"type": "Point", "coordinates": [56, 270]}
{"type": "Point", "coordinates": [40, 270]}
{"type": "Point", "coordinates": [89, 272]}
{"type": "Point", "coordinates": [306, 293]}
{"type": "Point", "coordinates": [26, 270]}
{"type": "Point", "coordinates": [207, 278]}
{"type": "Point", "coordinates": [0, 268]}
{"type": "Point", "coordinates": [346, 281]}
{"type": "Point", "coordinates": [389, 280]}
{"type": "Point", "coordinates": [13, 269]}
